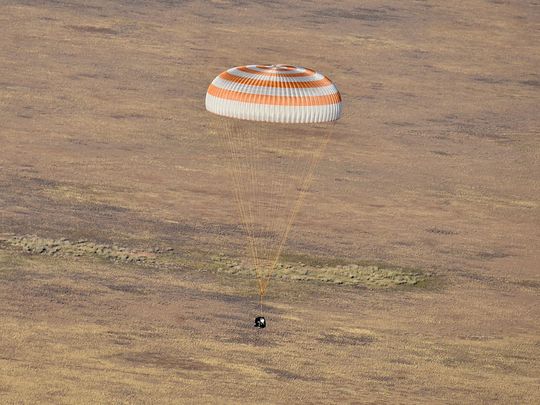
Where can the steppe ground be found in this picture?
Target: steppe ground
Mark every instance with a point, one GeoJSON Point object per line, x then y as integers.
{"type": "Point", "coordinates": [435, 167]}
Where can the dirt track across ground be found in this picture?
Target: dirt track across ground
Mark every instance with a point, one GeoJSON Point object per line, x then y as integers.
{"type": "Point", "coordinates": [433, 168]}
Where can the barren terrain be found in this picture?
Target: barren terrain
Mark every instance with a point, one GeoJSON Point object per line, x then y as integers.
{"type": "Point", "coordinates": [411, 276]}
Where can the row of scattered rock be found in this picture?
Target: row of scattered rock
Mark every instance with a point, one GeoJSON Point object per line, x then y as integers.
{"type": "Point", "coordinates": [65, 247]}
{"type": "Point", "coordinates": [350, 274]}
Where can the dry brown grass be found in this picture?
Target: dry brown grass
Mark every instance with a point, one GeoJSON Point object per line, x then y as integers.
{"type": "Point", "coordinates": [86, 331]}
{"type": "Point", "coordinates": [434, 167]}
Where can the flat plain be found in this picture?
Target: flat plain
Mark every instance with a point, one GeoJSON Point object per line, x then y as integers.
{"type": "Point", "coordinates": [126, 292]}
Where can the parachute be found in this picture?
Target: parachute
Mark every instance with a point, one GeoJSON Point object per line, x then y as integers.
{"type": "Point", "coordinates": [273, 123]}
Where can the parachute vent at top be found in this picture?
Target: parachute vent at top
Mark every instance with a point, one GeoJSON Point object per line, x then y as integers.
{"type": "Point", "coordinates": [274, 93]}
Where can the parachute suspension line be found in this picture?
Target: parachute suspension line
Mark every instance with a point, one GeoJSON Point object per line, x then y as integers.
{"type": "Point", "coordinates": [245, 191]}
{"type": "Point", "coordinates": [308, 179]}
{"type": "Point", "coordinates": [270, 201]}
{"type": "Point", "coordinates": [304, 188]}
{"type": "Point", "coordinates": [272, 171]}
{"type": "Point", "coordinates": [291, 166]}
{"type": "Point", "coordinates": [248, 195]}
{"type": "Point", "coordinates": [251, 160]}
{"type": "Point", "coordinates": [236, 169]}
{"type": "Point", "coordinates": [282, 164]}
{"type": "Point", "coordinates": [254, 133]}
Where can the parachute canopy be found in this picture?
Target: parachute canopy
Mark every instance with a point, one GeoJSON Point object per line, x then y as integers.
{"type": "Point", "coordinates": [274, 93]}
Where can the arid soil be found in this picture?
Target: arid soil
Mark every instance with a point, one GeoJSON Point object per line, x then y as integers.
{"type": "Point", "coordinates": [433, 173]}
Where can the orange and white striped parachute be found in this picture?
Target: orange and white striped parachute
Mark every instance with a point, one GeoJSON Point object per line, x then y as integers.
{"type": "Point", "coordinates": [271, 162]}
{"type": "Point", "coordinates": [274, 93]}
